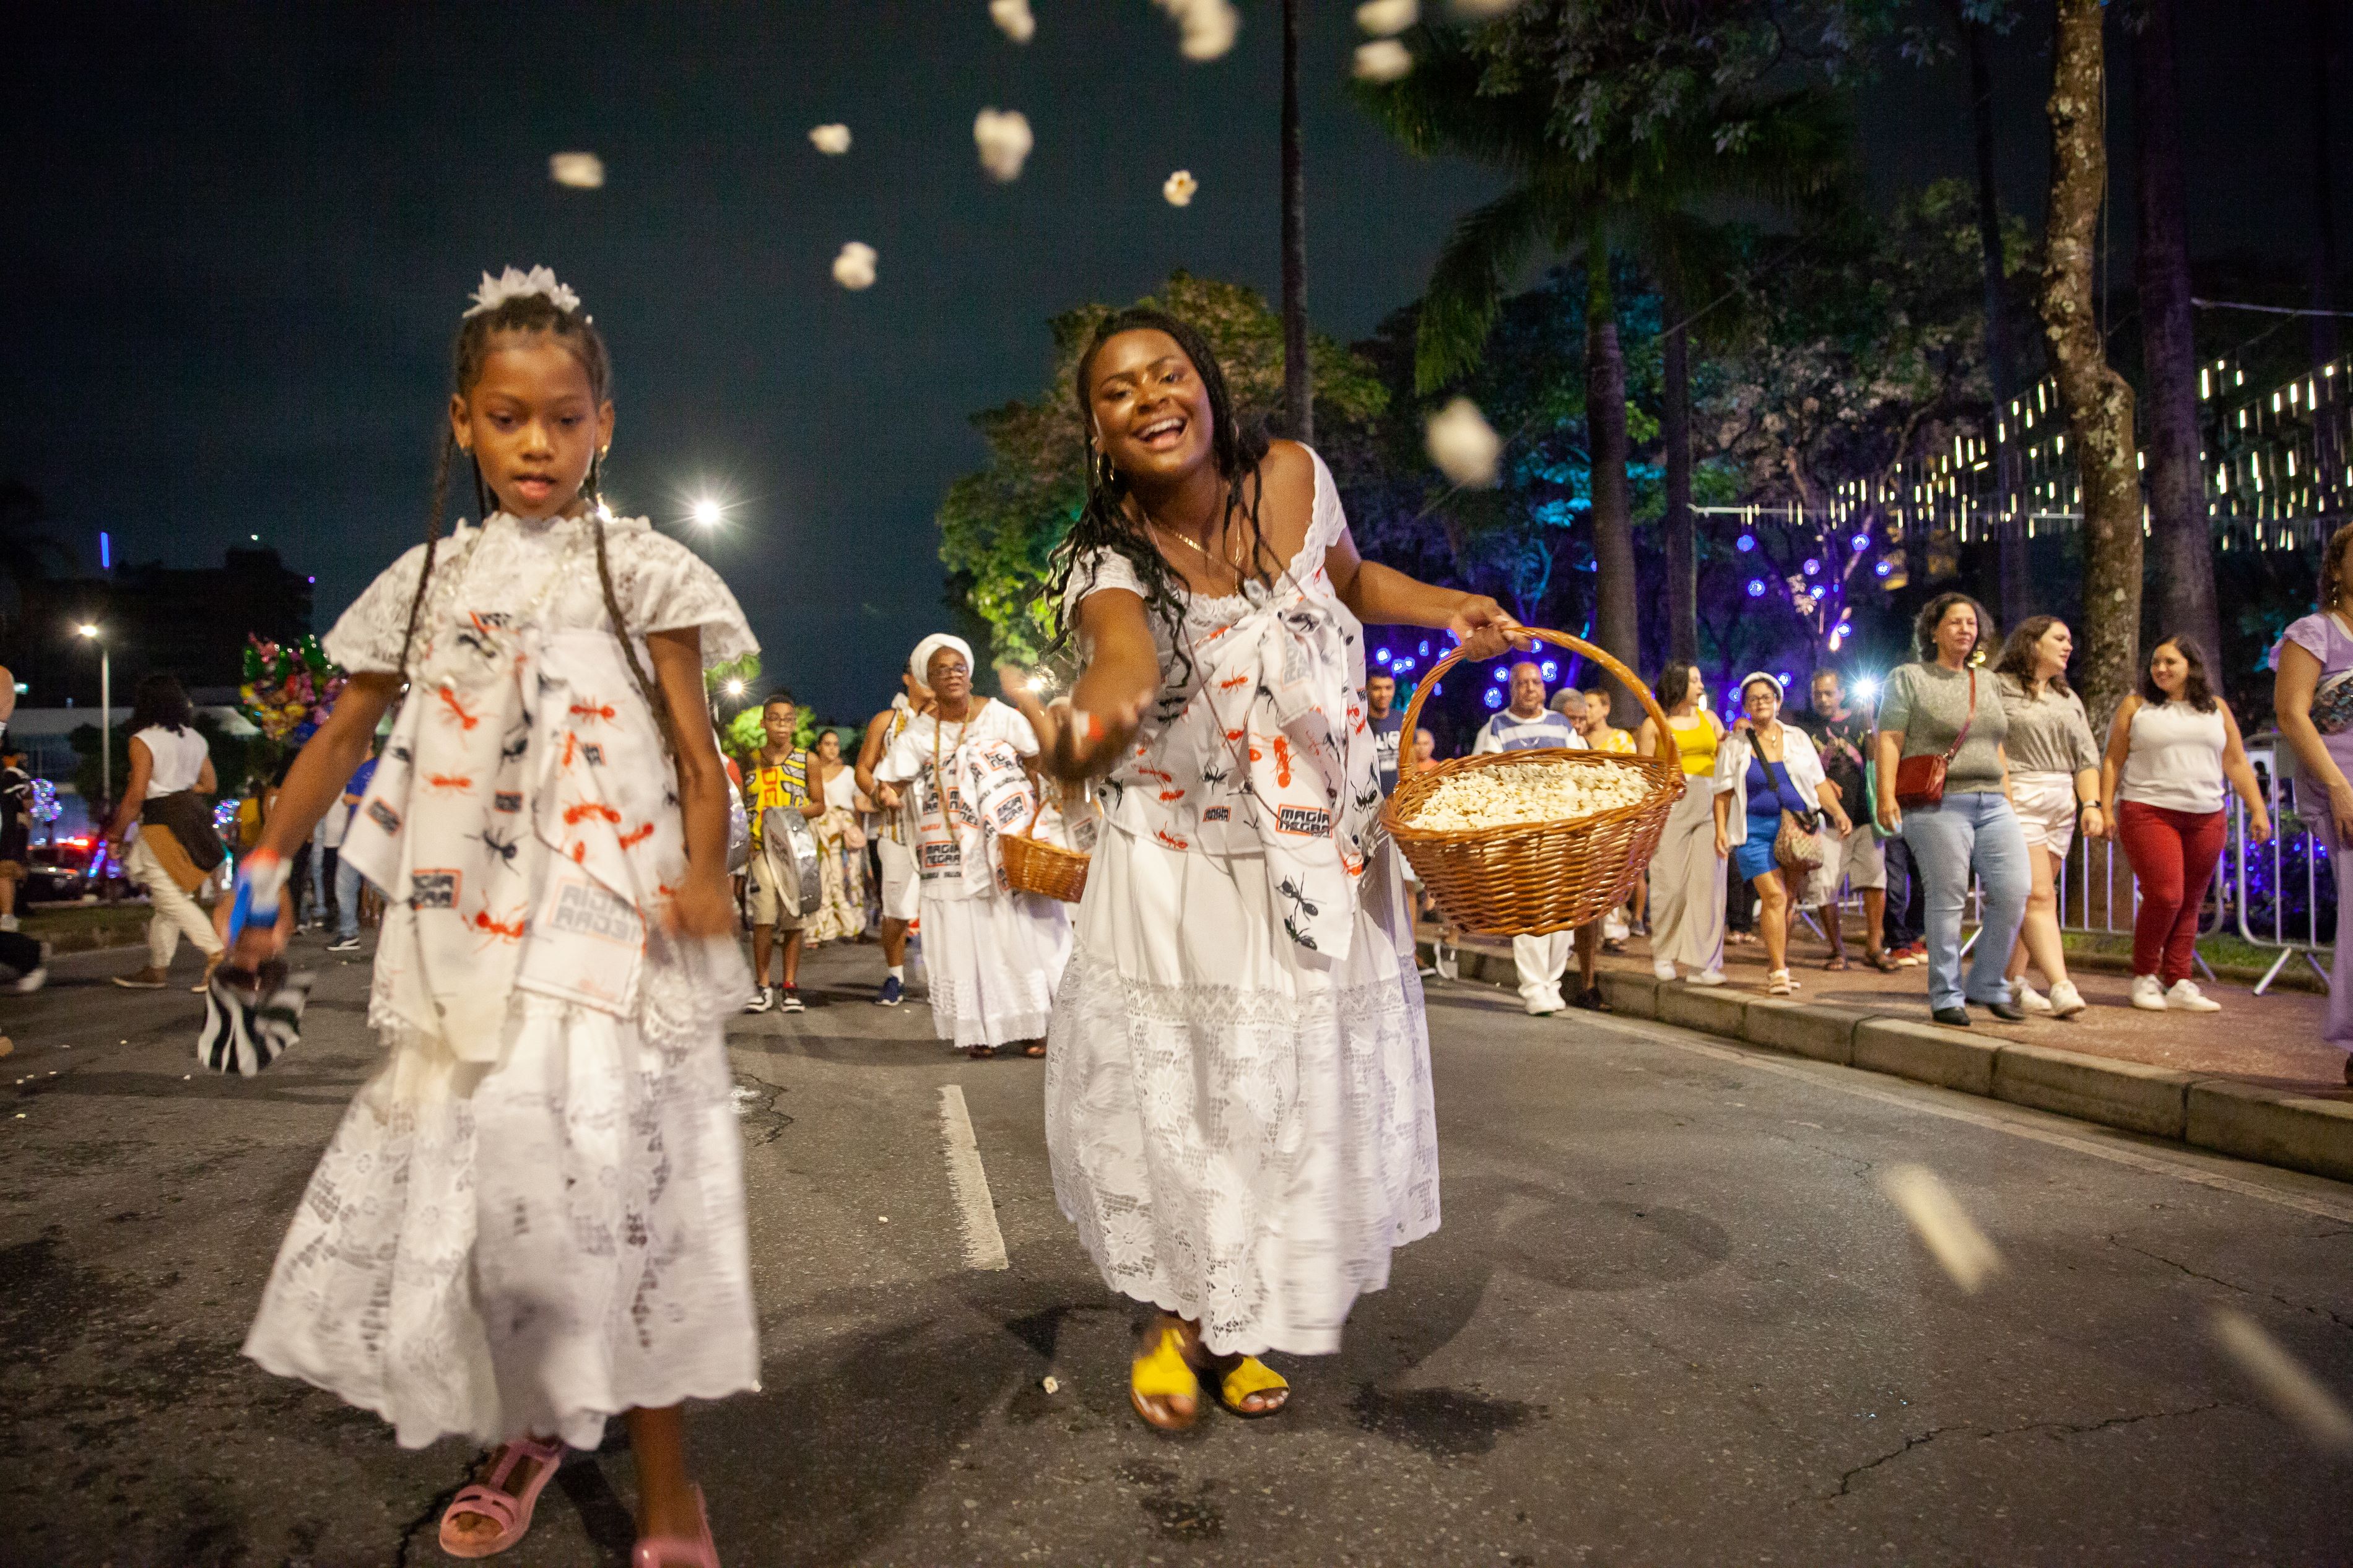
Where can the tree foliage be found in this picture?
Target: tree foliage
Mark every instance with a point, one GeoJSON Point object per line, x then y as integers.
{"type": "Point", "coordinates": [999, 525]}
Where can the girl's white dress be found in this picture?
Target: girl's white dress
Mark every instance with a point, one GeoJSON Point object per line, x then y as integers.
{"type": "Point", "coordinates": [531, 1216]}
{"type": "Point", "coordinates": [1237, 1095]}
{"type": "Point", "coordinates": [994, 956]}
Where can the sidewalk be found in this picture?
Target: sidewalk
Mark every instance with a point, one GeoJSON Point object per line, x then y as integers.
{"type": "Point", "coordinates": [2252, 1080]}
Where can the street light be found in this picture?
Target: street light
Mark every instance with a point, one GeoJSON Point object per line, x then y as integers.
{"type": "Point", "coordinates": [734, 689]}
{"type": "Point", "coordinates": [708, 513]}
{"type": "Point", "coordinates": [105, 713]}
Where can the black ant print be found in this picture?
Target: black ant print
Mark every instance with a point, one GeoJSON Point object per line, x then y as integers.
{"type": "Point", "coordinates": [1216, 775]}
{"type": "Point", "coordinates": [398, 754]}
{"type": "Point", "coordinates": [505, 849]}
{"type": "Point", "coordinates": [1299, 906]}
{"type": "Point", "coordinates": [516, 744]}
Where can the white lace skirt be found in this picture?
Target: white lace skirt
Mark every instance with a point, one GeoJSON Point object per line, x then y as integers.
{"type": "Point", "coordinates": [527, 1246]}
{"type": "Point", "coordinates": [993, 965]}
{"type": "Point", "coordinates": [1241, 1130]}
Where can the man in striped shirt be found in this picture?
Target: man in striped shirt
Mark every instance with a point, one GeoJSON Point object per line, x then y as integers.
{"type": "Point", "coordinates": [1528, 725]}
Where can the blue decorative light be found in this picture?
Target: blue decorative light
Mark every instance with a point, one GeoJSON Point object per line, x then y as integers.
{"type": "Point", "coordinates": [1424, 651]}
{"type": "Point", "coordinates": [1756, 588]}
{"type": "Point", "coordinates": [1502, 672]}
{"type": "Point", "coordinates": [105, 551]}
{"type": "Point", "coordinates": [1862, 541]}
{"type": "Point", "coordinates": [1380, 656]}
{"type": "Point", "coordinates": [1551, 669]}
{"type": "Point", "coordinates": [1786, 679]}
{"type": "Point", "coordinates": [1884, 568]}
{"type": "Point", "coordinates": [1746, 541]}
{"type": "Point", "coordinates": [1495, 699]}
{"type": "Point", "coordinates": [1813, 567]}
{"type": "Point", "coordinates": [1402, 665]}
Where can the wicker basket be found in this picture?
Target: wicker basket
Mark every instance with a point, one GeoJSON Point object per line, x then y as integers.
{"type": "Point", "coordinates": [1034, 866]}
{"type": "Point", "coordinates": [1525, 879]}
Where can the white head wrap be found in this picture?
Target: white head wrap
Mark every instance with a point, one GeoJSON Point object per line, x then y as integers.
{"type": "Point", "coordinates": [920, 665]}
{"type": "Point", "coordinates": [1780, 693]}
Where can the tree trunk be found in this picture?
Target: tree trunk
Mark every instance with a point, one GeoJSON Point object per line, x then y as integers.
{"type": "Point", "coordinates": [2098, 404]}
{"type": "Point", "coordinates": [2017, 586]}
{"type": "Point", "coordinates": [2323, 193]}
{"type": "Point", "coordinates": [2177, 501]}
{"type": "Point", "coordinates": [1682, 552]}
{"type": "Point", "coordinates": [1615, 624]}
{"type": "Point", "coordinates": [1298, 384]}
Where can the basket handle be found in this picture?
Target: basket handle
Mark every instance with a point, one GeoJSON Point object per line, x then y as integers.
{"type": "Point", "coordinates": [1633, 682]}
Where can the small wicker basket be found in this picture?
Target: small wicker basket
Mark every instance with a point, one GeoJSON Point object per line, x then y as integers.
{"type": "Point", "coordinates": [1525, 879]}
{"type": "Point", "coordinates": [1034, 866]}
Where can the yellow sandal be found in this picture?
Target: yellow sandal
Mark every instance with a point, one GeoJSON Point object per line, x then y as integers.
{"type": "Point", "coordinates": [1247, 1376]}
{"type": "Point", "coordinates": [1164, 1373]}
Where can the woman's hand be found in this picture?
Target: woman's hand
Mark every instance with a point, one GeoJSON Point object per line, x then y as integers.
{"type": "Point", "coordinates": [2094, 821]}
{"type": "Point", "coordinates": [1840, 820]}
{"type": "Point", "coordinates": [701, 908]}
{"type": "Point", "coordinates": [1485, 629]}
{"type": "Point", "coordinates": [885, 796]}
{"type": "Point", "coordinates": [256, 945]}
{"type": "Point", "coordinates": [1890, 816]}
{"type": "Point", "coordinates": [2259, 825]}
{"type": "Point", "coordinates": [1074, 746]}
{"type": "Point", "coordinates": [2340, 813]}
{"type": "Point", "coordinates": [1723, 846]}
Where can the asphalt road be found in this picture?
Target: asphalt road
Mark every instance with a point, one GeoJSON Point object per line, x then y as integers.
{"type": "Point", "coordinates": [1669, 1318]}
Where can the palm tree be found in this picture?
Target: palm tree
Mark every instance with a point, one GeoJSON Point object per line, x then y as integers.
{"type": "Point", "coordinates": [1298, 385]}
{"type": "Point", "coordinates": [1631, 198]}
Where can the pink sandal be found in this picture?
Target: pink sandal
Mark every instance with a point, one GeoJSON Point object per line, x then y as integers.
{"type": "Point", "coordinates": [489, 1499]}
{"type": "Point", "coordinates": [664, 1550]}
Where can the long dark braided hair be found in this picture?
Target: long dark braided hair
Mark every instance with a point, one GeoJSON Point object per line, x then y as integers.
{"type": "Point", "coordinates": [476, 335]}
{"type": "Point", "coordinates": [1103, 522]}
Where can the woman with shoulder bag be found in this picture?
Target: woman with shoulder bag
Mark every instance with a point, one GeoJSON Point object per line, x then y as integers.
{"type": "Point", "coordinates": [1770, 796]}
{"type": "Point", "coordinates": [1943, 783]}
{"type": "Point", "coordinates": [2312, 700]}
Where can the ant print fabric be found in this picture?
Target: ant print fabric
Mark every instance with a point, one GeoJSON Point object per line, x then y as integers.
{"type": "Point", "coordinates": [531, 1214]}
{"type": "Point", "coordinates": [1262, 746]}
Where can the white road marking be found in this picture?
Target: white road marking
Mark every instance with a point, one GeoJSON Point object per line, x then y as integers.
{"type": "Point", "coordinates": [984, 1244]}
{"type": "Point", "coordinates": [1921, 1100]}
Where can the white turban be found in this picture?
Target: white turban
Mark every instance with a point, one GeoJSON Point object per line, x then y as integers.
{"type": "Point", "coordinates": [920, 665]}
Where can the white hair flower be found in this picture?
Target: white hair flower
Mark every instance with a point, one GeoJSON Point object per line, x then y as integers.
{"type": "Point", "coordinates": [1383, 59]}
{"type": "Point", "coordinates": [1207, 27]}
{"type": "Point", "coordinates": [1013, 19]}
{"type": "Point", "coordinates": [1387, 18]}
{"type": "Point", "coordinates": [515, 284]}
{"type": "Point", "coordinates": [1004, 140]}
{"type": "Point", "coordinates": [1463, 444]}
{"type": "Point", "coordinates": [1179, 188]}
{"type": "Point", "coordinates": [854, 268]}
{"type": "Point", "coordinates": [831, 139]}
{"type": "Point", "coordinates": [581, 171]}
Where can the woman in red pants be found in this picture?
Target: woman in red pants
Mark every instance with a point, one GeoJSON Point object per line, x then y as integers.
{"type": "Point", "coordinates": [2172, 744]}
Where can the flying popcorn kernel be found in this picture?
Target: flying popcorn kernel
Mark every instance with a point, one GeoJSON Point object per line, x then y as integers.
{"type": "Point", "coordinates": [854, 268]}
{"type": "Point", "coordinates": [1383, 59]}
{"type": "Point", "coordinates": [1944, 1227]}
{"type": "Point", "coordinates": [1206, 27]}
{"type": "Point", "coordinates": [2301, 1399]}
{"type": "Point", "coordinates": [1463, 444]}
{"type": "Point", "coordinates": [1013, 19]}
{"type": "Point", "coordinates": [1387, 18]}
{"type": "Point", "coordinates": [1179, 188]}
{"type": "Point", "coordinates": [581, 171]}
{"type": "Point", "coordinates": [832, 140]}
{"type": "Point", "coordinates": [1480, 10]}
{"type": "Point", "coordinates": [1004, 141]}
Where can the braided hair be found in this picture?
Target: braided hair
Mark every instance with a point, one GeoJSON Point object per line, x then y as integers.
{"type": "Point", "coordinates": [1104, 520]}
{"type": "Point", "coordinates": [477, 336]}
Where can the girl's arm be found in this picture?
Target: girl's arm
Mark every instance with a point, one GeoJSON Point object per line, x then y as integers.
{"type": "Point", "coordinates": [207, 781]}
{"type": "Point", "coordinates": [1890, 747]}
{"type": "Point", "coordinates": [702, 907]}
{"type": "Point", "coordinates": [1082, 738]}
{"type": "Point", "coordinates": [2242, 775]}
{"type": "Point", "coordinates": [1385, 596]}
{"type": "Point", "coordinates": [2088, 810]}
{"type": "Point", "coordinates": [134, 792]}
{"type": "Point", "coordinates": [1723, 804]}
{"type": "Point", "coordinates": [2001, 754]}
{"type": "Point", "coordinates": [2111, 765]}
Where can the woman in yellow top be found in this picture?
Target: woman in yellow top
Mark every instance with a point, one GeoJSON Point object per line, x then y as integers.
{"type": "Point", "coordinates": [777, 780]}
{"type": "Point", "coordinates": [1600, 735]}
{"type": "Point", "coordinates": [1687, 873]}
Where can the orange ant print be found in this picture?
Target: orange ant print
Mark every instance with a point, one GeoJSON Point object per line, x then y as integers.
{"type": "Point", "coordinates": [1228, 684]}
{"type": "Point", "coordinates": [506, 929]}
{"type": "Point", "coordinates": [1170, 839]}
{"type": "Point", "coordinates": [1168, 794]}
{"type": "Point", "coordinates": [603, 711]}
{"type": "Point", "coordinates": [573, 815]}
{"type": "Point", "coordinates": [637, 836]}
{"type": "Point", "coordinates": [458, 710]}
{"type": "Point", "coordinates": [1281, 763]}
{"type": "Point", "coordinates": [450, 781]}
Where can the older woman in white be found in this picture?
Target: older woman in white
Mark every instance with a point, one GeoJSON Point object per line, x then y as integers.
{"type": "Point", "coordinates": [1764, 768]}
{"type": "Point", "coordinates": [995, 955]}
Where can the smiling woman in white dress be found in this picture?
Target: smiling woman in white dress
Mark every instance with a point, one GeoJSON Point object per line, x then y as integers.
{"type": "Point", "coordinates": [1237, 1101]}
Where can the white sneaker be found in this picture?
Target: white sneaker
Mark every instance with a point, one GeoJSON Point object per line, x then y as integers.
{"type": "Point", "coordinates": [2066, 1001]}
{"type": "Point", "coordinates": [2148, 994]}
{"type": "Point", "coordinates": [7, 923]}
{"type": "Point", "coordinates": [1543, 1006]}
{"type": "Point", "coordinates": [1664, 970]}
{"type": "Point", "coordinates": [1708, 977]}
{"type": "Point", "coordinates": [1447, 961]}
{"type": "Point", "coordinates": [761, 1000]}
{"type": "Point", "coordinates": [2186, 996]}
{"type": "Point", "coordinates": [2028, 997]}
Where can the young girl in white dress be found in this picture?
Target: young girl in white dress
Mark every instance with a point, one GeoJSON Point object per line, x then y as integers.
{"type": "Point", "coordinates": [1237, 1100]}
{"type": "Point", "coordinates": [995, 955]}
{"type": "Point", "coordinates": [532, 1217]}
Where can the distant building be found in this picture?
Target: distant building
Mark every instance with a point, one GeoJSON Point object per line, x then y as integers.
{"type": "Point", "coordinates": [189, 622]}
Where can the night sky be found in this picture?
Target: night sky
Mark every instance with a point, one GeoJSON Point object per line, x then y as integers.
{"type": "Point", "coordinates": [238, 239]}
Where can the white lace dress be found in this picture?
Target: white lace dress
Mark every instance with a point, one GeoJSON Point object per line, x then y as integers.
{"type": "Point", "coordinates": [1237, 1096]}
{"type": "Point", "coordinates": [531, 1216]}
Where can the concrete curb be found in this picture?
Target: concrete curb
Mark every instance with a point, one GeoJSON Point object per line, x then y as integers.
{"type": "Point", "coordinates": [2228, 1116]}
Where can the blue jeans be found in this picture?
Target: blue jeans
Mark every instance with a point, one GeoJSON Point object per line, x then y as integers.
{"type": "Point", "coordinates": [347, 900]}
{"type": "Point", "coordinates": [1946, 840]}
